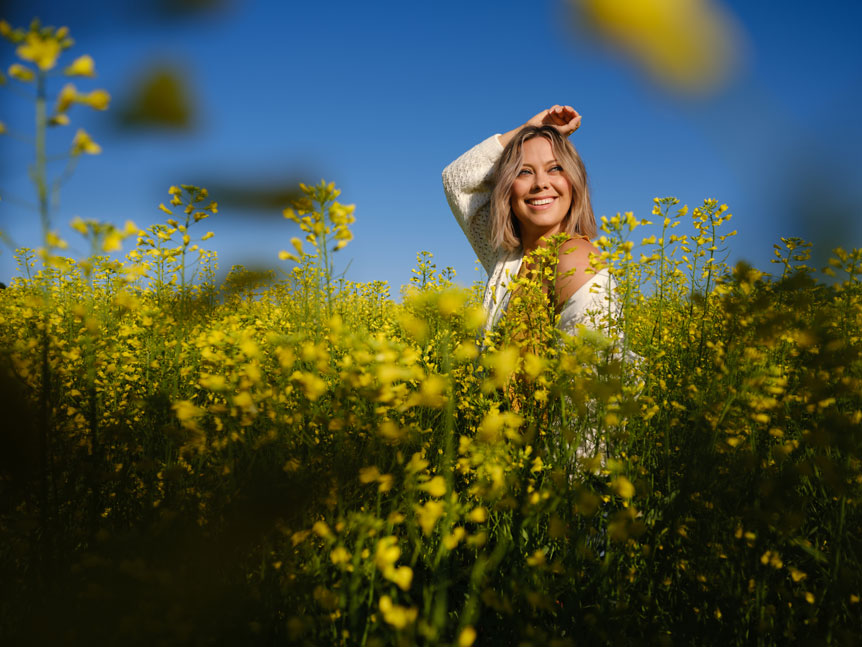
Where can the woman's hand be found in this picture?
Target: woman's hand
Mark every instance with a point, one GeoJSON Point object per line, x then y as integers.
{"type": "Point", "coordinates": [564, 118]}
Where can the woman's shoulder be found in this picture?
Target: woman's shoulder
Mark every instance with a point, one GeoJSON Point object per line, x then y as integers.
{"type": "Point", "coordinates": [576, 253]}
{"type": "Point", "coordinates": [575, 266]}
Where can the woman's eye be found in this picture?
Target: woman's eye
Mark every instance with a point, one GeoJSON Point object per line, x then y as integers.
{"type": "Point", "coordinates": [557, 168]}
{"type": "Point", "coordinates": [524, 171]}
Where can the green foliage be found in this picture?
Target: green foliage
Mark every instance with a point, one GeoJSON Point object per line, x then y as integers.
{"type": "Point", "coordinates": [299, 459]}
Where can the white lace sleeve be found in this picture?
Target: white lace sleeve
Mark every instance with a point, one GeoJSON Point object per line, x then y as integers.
{"type": "Point", "coordinates": [468, 184]}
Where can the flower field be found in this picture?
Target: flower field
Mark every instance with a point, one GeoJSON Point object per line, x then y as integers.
{"type": "Point", "coordinates": [300, 460]}
{"type": "Point", "coordinates": [293, 458]}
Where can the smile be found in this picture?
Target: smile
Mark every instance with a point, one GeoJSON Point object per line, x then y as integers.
{"type": "Point", "coordinates": [538, 202]}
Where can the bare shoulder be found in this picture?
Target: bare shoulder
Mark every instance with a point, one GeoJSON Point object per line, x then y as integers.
{"type": "Point", "coordinates": [574, 261]}
{"type": "Point", "coordinates": [575, 255]}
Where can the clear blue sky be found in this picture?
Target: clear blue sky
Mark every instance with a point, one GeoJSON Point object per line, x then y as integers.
{"type": "Point", "coordinates": [379, 96]}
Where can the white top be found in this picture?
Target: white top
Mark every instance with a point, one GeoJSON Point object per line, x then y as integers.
{"type": "Point", "coordinates": [468, 182]}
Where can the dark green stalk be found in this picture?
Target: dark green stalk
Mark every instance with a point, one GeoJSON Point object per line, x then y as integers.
{"type": "Point", "coordinates": [40, 172]}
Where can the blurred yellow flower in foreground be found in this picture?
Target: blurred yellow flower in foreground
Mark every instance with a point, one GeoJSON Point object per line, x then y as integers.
{"type": "Point", "coordinates": [83, 143]}
{"type": "Point", "coordinates": [82, 66]}
{"type": "Point", "coordinates": [686, 45]}
{"type": "Point", "coordinates": [396, 615]}
{"type": "Point", "coordinates": [41, 51]}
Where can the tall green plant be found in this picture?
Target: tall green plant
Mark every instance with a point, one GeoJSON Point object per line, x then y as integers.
{"type": "Point", "coordinates": [327, 226]}
{"type": "Point", "coordinates": [40, 48]}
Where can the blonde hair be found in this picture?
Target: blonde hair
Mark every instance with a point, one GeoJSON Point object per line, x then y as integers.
{"type": "Point", "coordinates": [505, 232]}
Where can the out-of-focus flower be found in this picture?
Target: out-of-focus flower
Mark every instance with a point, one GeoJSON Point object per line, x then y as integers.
{"type": "Point", "coordinates": [21, 72]}
{"type": "Point", "coordinates": [43, 51]}
{"type": "Point", "coordinates": [687, 46]}
{"type": "Point", "coordinates": [83, 143]}
{"type": "Point", "coordinates": [67, 96]}
{"type": "Point", "coordinates": [396, 615]}
{"type": "Point", "coordinates": [97, 99]}
{"type": "Point", "coordinates": [81, 66]}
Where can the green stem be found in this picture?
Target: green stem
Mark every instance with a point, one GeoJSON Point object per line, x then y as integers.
{"type": "Point", "coordinates": [40, 175]}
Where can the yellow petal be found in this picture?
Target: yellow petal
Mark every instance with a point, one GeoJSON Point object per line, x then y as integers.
{"type": "Point", "coordinates": [82, 66]}
{"type": "Point", "coordinates": [97, 99]}
{"type": "Point", "coordinates": [467, 637]}
{"type": "Point", "coordinates": [435, 487]}
{"type": "Point", "coordinates": [21, 72]}
{"type": "Point", "coordinates": [68, 95]}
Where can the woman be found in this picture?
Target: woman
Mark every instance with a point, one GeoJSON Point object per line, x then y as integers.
{"type": "Point", "coordinates": [511, 194]}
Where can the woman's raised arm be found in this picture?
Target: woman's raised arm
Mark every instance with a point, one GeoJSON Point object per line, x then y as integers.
{"type": "Point", "coordinates": [468, 182]}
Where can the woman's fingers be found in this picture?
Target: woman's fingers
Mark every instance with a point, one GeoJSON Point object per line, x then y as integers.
{"type": "Point", "coordinates": [564, 118]}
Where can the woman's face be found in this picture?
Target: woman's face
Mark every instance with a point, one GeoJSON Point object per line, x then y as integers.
{"type": "Point", "coordinates": [541, 195]}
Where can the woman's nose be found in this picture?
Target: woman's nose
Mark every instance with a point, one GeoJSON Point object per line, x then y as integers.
{"type": "Point", "coordinates": [540, 180]}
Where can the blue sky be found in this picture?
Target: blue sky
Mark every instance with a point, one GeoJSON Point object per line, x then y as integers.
{"type": "Point", "coordinates": [379, 96]}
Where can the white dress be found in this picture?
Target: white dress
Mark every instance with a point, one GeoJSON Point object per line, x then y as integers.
{"type": "Point", "coordinates": [468, 183]}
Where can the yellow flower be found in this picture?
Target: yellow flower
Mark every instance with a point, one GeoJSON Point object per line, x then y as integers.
{"type": "Point", "coordinates": [53, 240]}
{"type": "Point", "coordinates": [401, 576]}
{"type": "Point", "coordinates": [41, 51]}
{"type": "Point", "coordinates": [212, 382]}
{"type": "Point", "coordinates": [21, 72]}
{"type": "Point", "coordinates": [435, 487]}
{"type": "Point", "coordinates": [478, 515]}
{"type": "Point", "coordinates": [82, 66]}
{"type": "Point", "coordinates": [83, 143]}
{"type": "Point", "coordinates": [113, 241]}
{"type": "Point", "coordinates": [396, 615]}
{"type": "Point", "coordinates": [386, 483]}
{"type": "Point", "coordinates": [322, 530]}
{"type": "Point", "coordinates": [451, 541]}
{"type": "Point", "coordinates": [432, 392]}
{"type": "Point", "coordinates": [187, 412]}
{"type": "Point", "coordinates": [369, 474]}
{"type": "Point", "coordinates": [467, 637]}
{"type": "Point", "coordinates": [451, 302]}
{"type": "Point", "coordinates": [243, 400]}
{"type": "Point", "coordinates": [503, 363]}
{"type": "Point", "coordinates": [537, 558]}
{"type": "Point", "coordinates": [387, 552]}
{"type": "Point", "coordinates": [428, 515]}
{"type": "Point", "coordinates": [79, 225]}
{"type": "Point", "coordinates": [623, 487]}
{"type": "Point", "coordinates": [687, 45]}
{"type": "Point", "coordinates": [97, 99]}
{"type": "Point", "coordinates": [339, 555]}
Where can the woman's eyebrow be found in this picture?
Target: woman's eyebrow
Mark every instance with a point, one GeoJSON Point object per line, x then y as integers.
{"type": "Point", "coordinates": [553, 161]}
